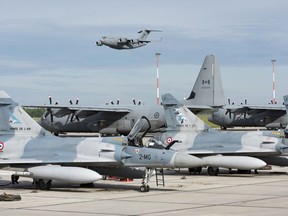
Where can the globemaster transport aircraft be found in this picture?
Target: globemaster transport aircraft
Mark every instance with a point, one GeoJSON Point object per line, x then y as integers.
{"type": "Point", "coordinates": [235, 150]}
{"type": "Point", "coordinates": [32, 152]}
{"type": "Point", "coordinates": [207, 93]}
{"type": "Point", "coordinates": [126, 43]}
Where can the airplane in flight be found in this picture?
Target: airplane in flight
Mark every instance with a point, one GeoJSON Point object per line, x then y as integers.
{"type": "Point", "coordinates": [240, 150]}
{"type": "Point", "coordinates": [32, 152]}
{"type": "Point", "coordinates": [207, 93]}
{"type": "Point", "coordinates": [126, 43]}
{"type": "Point", "coordinates": [271, 116]}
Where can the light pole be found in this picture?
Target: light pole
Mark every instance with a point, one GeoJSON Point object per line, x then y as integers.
{"type": "Point", "coordinates": [273, 81]}
{"type": "Point", "coordinates": [157, 78]}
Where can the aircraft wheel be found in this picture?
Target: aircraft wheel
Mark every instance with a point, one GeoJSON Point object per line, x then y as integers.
{"type": "Point", "coordinates": [42, 185]}
{"type": "Point", "coordinates": [195, 170]}
{"type": "Point", "coordinates": [213, 171]}
{"type": "Point", "coordinates": [144, 188]}
{"type": "Point", "coordinates": [223, 128]}
{"type": "Point", "coordinates": [14, 179]}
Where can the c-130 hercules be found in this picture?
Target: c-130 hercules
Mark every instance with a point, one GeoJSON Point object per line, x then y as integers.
{"type": "Point", "coordinates": [118, 119]}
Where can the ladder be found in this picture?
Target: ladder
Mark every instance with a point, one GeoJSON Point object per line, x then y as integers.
{"type": "Point", "coordinates": [160, 177]}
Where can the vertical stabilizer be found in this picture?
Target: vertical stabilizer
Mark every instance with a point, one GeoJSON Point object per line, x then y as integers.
{"type": "Point", "coordinates": [13, 119]}
{"type": "Point", "coordinates": [208, 88]}
{"type": "Point", "coordinates": [144, 34]}
{"type": "Point", "coordinates": [178, 117]}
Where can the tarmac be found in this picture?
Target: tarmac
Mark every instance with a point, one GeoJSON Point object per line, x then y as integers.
{"type": "Point", "coordinates": [265, 193]}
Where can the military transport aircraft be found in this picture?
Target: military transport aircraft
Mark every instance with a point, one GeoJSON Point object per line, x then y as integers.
{"type": "Point", "coordinates": [126, 43]}
{"type": "Point", "coordinates": [236, 150]}
{"type": "Point", "coordinates": [32, 152]}
{"type": "Point", "coordinates": [117, 119]}
{"type": "Point", "coordinates": [272, 116]}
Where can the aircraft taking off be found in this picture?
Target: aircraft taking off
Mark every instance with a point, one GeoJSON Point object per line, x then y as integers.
{"type": "Point", "coordinates": [126, 43]}
{"type": "Point", "coordinates": [116, 119]}
{"type": "Point", "coordinates": [32, 152]}
{"type": "Point", "coordinates": [236, 150]}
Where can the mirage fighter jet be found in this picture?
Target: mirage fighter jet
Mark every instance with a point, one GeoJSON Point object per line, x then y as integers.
{"type": "Point", "coordinates": [235, 150]}
{"type": "Point", "coordinates": [32, 152]}
{"type": "Point", "coordinates": [126, 43]}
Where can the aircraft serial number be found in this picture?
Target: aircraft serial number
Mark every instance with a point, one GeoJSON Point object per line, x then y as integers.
{"type": "Point", "coordinates": [144, 157]}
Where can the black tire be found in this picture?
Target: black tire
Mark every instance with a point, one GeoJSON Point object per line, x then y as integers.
{"type": "Point", "coordinates": [144, 188]}
{"type": "Point", "coordinates": [42, 185]}
{"type": "Point", "coordinates": [212, 171]}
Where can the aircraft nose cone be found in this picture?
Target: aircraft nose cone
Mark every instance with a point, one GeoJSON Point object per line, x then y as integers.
{"type": "Point", "coordinates": [183, 160]}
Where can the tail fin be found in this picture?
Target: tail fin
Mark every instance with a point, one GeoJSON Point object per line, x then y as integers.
{"type": "Point", "coordinates": [145, 33]}
{"type": "Point", "coordinates": [179, 117]}
{"type": "Point", "coordinates": [208, 88]}
{"type": "Point", "coordinates": [13, 119]}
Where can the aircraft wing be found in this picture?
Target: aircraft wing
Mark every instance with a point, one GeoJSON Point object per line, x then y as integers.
{"type": "Point", "coordinates": [256, 108]}
{"type": "Point", "coordinates": [82, 112]}
{"type": "Point", "coordinates": [144, 41]}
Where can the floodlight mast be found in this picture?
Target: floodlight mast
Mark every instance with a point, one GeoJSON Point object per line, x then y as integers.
{"type": "Point", "coordinates": [157, 79]}
{"type": "Point", "coordinates": [273, 81]}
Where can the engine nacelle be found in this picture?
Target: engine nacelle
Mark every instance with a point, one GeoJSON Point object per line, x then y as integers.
{"type": "Point", "coordinates": [122, 40]}
{"type": "Point", "coordinates": [134, 41]}
{"type": "Point", "coordinates": [99, 43]}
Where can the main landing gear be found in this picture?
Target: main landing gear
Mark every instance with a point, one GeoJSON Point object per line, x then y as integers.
{"type": "Point", "coordinates": [42, 184]}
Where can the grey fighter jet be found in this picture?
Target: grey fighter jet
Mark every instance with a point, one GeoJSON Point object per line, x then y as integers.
{"type": "Point", "coordinates": [126, 43]}
{"type": "Point", "coordinates": [236, 150]}
{"type": "Point", "coordinates": [33, 152]}
{"type": "Point", "coordinates": [117, 119]}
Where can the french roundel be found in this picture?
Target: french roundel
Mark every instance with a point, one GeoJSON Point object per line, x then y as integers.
{"type": "Point", "coordinates": [1, 146]}
{"type": "Point", "coordinates": [169, 140]}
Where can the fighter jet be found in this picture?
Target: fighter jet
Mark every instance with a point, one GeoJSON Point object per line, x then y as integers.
{"type": "Point", "coordinates": [272, 116]}
{"type": "Point", "coordinates": [126, 43]}
{"type": "Point", "coordinates": [207, 93]}
{"type": "Point", "coordinates": [32, 152]}
{"type": "Point", "coordinates": [235, 150]}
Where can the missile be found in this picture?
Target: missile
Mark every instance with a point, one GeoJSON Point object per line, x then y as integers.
{"type": "Point", "coordinates": [236, 162]}
{"type": "Point", "coordinates": [61, 173]}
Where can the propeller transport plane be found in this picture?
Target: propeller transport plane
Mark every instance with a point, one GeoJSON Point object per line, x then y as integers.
{"type": "Point", "coordinates": [32, 152]}
{"type": "Point", "coordinates": [272, 116]}
{"type": "Point", "coordinates": [229, 149]}
{"type": "Point", "coordinates": [118, 119]}
{"type": "Point", "coordinates": [126, 43]}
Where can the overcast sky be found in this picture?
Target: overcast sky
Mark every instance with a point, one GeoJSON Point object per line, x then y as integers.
{"type": "Point", "coordinates": [48, 48]}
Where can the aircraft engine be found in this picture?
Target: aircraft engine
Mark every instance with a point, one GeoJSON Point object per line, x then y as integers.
{"type": "Point", "coordinates": [99, 43]}
{"type": "Point", "coordinates": [123, 40]}
{"type": "Point", "coordinates": [134, 41]}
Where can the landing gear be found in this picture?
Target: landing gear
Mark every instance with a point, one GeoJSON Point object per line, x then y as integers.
{"type": "Point", "coordinates": [42, 184]}
{"type": "Point", "coordinates": [223, 128]}
{"type": "Point", "coordinates": [145, 187]}
{"type": "Point", "coordinates": [14, 179]}
{"type": "Point", "coordinates": [213, 171]}
{"type": "Point", "coordinates": [195, 170]}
